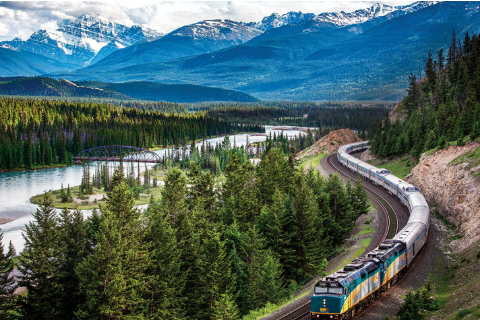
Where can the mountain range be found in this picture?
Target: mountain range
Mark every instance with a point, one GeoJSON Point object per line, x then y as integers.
{"type": "Point", "coordinates": [362, 55]}
{"type": "Point", "coordinates": [83, 41]}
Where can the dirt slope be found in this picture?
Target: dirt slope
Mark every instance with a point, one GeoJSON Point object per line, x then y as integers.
{"type": "Point", "coordinates": [330, 143]}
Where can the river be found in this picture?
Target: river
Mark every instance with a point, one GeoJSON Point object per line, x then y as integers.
{"type": "Point", "coordinates": [16, 188]}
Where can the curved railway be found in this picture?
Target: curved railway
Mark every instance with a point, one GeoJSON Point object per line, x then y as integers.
{"type": "Point", "coordinates": [345, 293]}
{"type": "Point", "coordinates": [396, 217]}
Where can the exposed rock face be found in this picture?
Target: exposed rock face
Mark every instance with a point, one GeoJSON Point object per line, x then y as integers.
{"type": "Point", "coordinates": [454, 187]}
{"type": "Point", "coordinates": [331, 142]}
{"type": "Point", "coordinates": [367, 155]}
{"type": "Point", "coordinates": [397, 114]}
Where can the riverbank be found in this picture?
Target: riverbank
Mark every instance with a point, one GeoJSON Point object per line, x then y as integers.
{"type": "Point", "coordinates": [253, 134]}
{"type": "Point", "coordinates": [52, 166]}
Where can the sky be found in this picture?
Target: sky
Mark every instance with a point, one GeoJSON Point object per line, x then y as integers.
{"type": "Point", "coordinates": [22, 18]}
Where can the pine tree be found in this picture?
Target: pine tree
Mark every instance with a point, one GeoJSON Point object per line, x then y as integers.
{"type": "Point", "coordinates": [290, 241]}
{"type": "Point", "coordinates": [112, 278]}
{"type": "Point", "coordinates": [72, 249]}
{"type": "Point", "coordinates": [39, 264]}
{"type": "Point", "coordinates": [340, 209]}
{"type": "Point", "coordinates": [225, 308]}
{"type": "Point", "coordinates": [270, 284]}
{"type": "Point", "coordinates": [167, 282]}
{"type": "Point", "coordinates": [216, 277]}
{"type": "Point", "coordinates": [359, 200]}
{"type": "Point", "coordinates": [269, 223]}
{"type": "Point", "coordinates": [308, 251]}
{"type": "Point", "coordinates": [8, 301]}
{"type": "Point", "coordinates": [173, 195]}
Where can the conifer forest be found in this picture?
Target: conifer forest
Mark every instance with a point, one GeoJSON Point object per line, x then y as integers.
{"type": "Point", "coordinates": [202, 251]}
{"type": "Point", "coordinates": [442, 107]}
{"type": "Point", "coordinates": [41, 132]}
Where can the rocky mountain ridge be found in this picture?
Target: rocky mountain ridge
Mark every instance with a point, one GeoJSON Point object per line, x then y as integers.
{"type": "Point", "coordinates": [86, 39]}
{"type": "Point", "coordinates": [377, 10]}
{"type": "Point", "coordinates": [339, 19]}
{"type": "Point", "coordinates": [276, 20]}
{"type": "Point", "coordinates": [220, 30]}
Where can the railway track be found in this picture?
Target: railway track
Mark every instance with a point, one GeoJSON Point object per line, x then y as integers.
{"type": "Point", "coordinates": [385, 206]}
{"type": "Point", "coordinates": [392, 224]}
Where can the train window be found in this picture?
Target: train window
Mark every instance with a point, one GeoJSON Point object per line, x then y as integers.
{"type": "Point", "coordinates": [337, 290]}
{"type": "Point", "coordinates": [321, 290]}
{"type": "Point", "coordinates": [364, 276]}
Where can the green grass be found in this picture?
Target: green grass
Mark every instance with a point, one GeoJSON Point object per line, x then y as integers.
{"type": "Point", "coordinates": [57, 202]}
{"type": "Point", "coordinates": [312, 161]}
{"type": "Point", "coordinates": [473, 157]}
{"type": "Point", "coordinates": [366, 229]}
{"type": "Point", "coordinates": [399, 167]}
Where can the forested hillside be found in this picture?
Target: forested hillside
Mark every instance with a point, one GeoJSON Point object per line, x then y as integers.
{"type": "Point", "coordinates": [41, 86]}
{"type": "Point", "coordinates": [441, 107]}
{"type": "Point", "coordinates": [183, 93]}
{"type": "Point", "coordinates": [41, 132]}
{"type": "Point", "coordinates": [203, 252]}
{"type": "Point", "coordinates": [325, 115]}
{"type": "Point", "coordinates": [140, 90]}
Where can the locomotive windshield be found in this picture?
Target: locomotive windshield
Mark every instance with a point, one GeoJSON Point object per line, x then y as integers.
{"type": "Point", "coordinates": [330, 290]}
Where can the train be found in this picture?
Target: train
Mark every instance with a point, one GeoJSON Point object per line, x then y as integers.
{"type": "Point", "coordinates": [341, 294]}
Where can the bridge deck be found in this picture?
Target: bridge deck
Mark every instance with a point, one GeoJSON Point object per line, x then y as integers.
{"type": "Point", "coordinates": [113, 159]}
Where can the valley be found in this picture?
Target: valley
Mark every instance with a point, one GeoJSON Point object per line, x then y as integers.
{"type": "Point", "coordinates": [239, 160]}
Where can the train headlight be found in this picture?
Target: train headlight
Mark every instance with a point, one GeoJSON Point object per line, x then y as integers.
{"type": "Point", "coordinates": [324, 303]}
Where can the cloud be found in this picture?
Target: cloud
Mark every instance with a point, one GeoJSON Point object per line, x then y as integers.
{"type": "Point", "coordinates": [22, 18]}
{"type": "Point", "coordinates": [50, 25]}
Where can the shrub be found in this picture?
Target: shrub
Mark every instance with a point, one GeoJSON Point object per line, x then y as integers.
{"type": "Point", "coordinates": [463, 313]}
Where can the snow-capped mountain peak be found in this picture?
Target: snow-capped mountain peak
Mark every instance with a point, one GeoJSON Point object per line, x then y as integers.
{"type": "Point", "coordinates": [375, 11]}
{"type": "Point", "coordinates": [339, 19]}
{"type": "Point", "coordinates": [275, 20]}
{"type": "Point", "coordinates": [80, 41]}
{"type": "Point", "coordinates": [218, 29]}
{"type": "Point", "coordinates": [95, 27]}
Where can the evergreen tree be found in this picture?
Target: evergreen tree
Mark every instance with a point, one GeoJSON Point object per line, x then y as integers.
{"type": "Point", "coordinates": [270, 225]}
{"type": "Point", "coordinates": [39, 264]}
{"type": "Point", "coordinates": [270, 284]}
{"type": "Point", "coordinates": [308, 251]}
{"type": "Point", "coordinates": [216, 277]}
{"type": "Point", "coordinates": [112, 278]}
{"type": "Point", "coordinates": [167, 282]}
{"type": "Point", "coordinates": [340, 209]}
{"type": "Point", "coordinates": [8, 301]}
{"type": "Point", "coordinates": [72, 249]}
{"type": "Point", "coordinates": [173, 195]}
{"type": "Point", "coordinates": [225, 308]}
{"type": "Point", "coordinates": [359, 199]}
